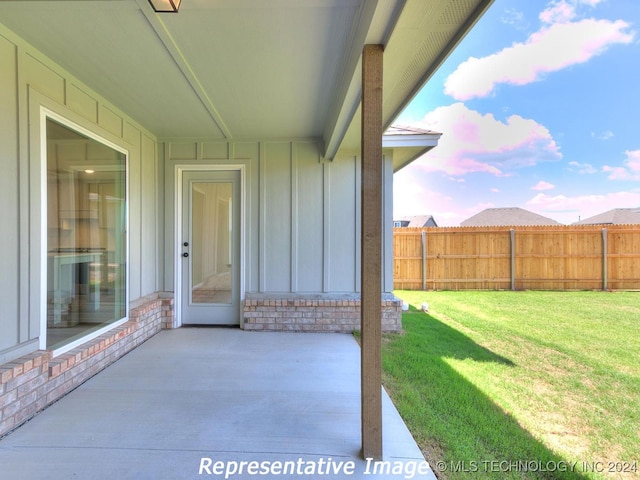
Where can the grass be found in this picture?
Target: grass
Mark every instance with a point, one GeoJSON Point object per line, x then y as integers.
{"type": "Point", "coordinates": [542, 377]}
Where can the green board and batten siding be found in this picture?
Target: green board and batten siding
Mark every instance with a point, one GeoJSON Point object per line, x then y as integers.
{"type": "Point", "coordinates": [29, 80]}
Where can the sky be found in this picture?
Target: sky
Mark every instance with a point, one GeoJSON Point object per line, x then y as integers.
{"type": "Point", "coordinates": [539, 108]}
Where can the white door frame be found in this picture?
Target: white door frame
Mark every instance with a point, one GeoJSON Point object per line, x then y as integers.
{"type": "Point", "coordinates": [177, 242]}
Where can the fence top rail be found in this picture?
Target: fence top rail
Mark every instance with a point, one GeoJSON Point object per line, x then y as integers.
{"type": "Point", "coordinates": [518, 228]}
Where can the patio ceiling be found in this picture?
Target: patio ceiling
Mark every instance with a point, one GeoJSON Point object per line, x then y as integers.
{"type": "Point", "coordinates": [236, 69]}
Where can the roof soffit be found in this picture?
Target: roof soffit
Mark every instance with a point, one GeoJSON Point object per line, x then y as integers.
{"type": "Point", "coordinates": [234, 69]}
{"type": "Point", "coordinates": [423, 36]}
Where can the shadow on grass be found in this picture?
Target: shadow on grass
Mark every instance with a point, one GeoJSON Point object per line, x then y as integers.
{"type": "Point", "coordinates": [452, 418]}
{"type": "Point", "coordinates": [444, 341]}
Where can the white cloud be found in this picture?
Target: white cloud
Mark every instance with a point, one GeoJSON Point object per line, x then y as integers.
{"type": "Point", "coordinates": [558, 44]}
{"type": "Point", "coordinates": [542, 185]}
{"type": "Point", "coordinates": [583, 168]}
{"type": "Point", "coordinates": [455, 216]}
{"type": "Point", "coordinates": [630, 170]}
{"type": "Point", "coordinates": [413, 194]}
{"type": "Point", "coordinates": [511, 16]}
{"type": "Point", "coordinates": [567, 209]}
{"type": "Point", "coordinates": [591, 3]}
{"type": "Point", "coordinates": [558, 12]}
{"type": "Point", "coordinates": [408, 199]}
{"type": "Point", "coordinates": [473, 142]}
{"type": "Point", "coordinates": [606, 135]}
{"type": "Point", "coordinates": [416, 192]}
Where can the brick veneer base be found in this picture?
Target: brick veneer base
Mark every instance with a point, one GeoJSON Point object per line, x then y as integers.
{"type": "Point", "coordinates": [314, 313]}
{"type": "Point", "coordinates": [30, 383]}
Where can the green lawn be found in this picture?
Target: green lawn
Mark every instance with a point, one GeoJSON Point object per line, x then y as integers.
{"type": "Point", "coordinates": [516, 377]}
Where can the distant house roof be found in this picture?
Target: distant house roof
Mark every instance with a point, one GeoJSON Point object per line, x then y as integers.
{"type": "Point", "coordinates": [506, 216]}
{"type": "Point", "coordinates": [617, 216]}
{"type": "Point", "coordinates": [416, 221]}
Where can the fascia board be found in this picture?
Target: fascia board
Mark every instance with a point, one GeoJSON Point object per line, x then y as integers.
{"type": "Point", "coordinates": [410, 141]}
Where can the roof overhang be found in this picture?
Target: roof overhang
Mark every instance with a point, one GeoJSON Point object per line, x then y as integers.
{"type": "Point", "coordinates": [408, 144]}
{"type": "Point", "coordinates": [245, 69]}
{"type": "Point", "coordinates": [422, 36]}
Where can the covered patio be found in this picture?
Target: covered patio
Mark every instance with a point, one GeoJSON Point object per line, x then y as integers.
{"type": "Point", "coordinates": [224, 165]}
{"type": "Point", "coordinates": [197, 402]}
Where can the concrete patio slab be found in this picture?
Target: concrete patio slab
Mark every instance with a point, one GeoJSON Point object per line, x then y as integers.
{"type": "Point", "coordinates": [215, 403]}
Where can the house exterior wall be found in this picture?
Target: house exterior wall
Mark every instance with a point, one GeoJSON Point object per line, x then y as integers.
{"type": "Point", "coordinates": [28, 82]}
{"type": "Point", "coordinates": [301, 224]}
{"type": "Point", "coordinates": [30, 378]}
{"type": "Point", "coordinates": [10, 331]}
{"type": "Point", "coordinates": [301, 227]}
{"type": "Point", "coordinates": [291, 222]}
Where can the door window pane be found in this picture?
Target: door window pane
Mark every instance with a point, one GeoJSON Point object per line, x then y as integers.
{"type": "Point", "coordinates": [211, 231]}
{"type": "Point", "coordinates": [86, 235]}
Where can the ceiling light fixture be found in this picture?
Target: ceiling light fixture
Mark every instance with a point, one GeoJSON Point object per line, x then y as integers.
{"type": "Point", "coordinates": [165, 6]}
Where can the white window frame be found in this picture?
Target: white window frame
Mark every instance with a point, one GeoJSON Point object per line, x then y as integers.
{"type": "Point", "coordinates": [46, 113]}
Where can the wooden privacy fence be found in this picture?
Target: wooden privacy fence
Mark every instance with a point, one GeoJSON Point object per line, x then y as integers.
{"type": "Point", "coordinates": [584, 257]}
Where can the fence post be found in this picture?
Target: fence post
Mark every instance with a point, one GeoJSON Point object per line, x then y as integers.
{"type": "Point", "coordinates": [512, 234]}
{"type": "Point", "coordinates": [605, 249]}
{"type": "Point", "coordinates": [424, 260]}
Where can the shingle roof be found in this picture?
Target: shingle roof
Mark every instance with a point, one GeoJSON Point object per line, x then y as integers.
{"type": "Point", "coordinates": [616, 216]}
{"type": "Point", "coordinates": [407, 130]}
{"type": "Point", "coordinates": [505, 217]}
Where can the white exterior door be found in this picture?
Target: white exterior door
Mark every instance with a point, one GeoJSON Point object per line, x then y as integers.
{"type": "Point", "coordinates": [210, 248]}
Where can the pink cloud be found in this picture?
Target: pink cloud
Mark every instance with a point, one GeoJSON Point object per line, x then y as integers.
{"type": "Point", "coordinates": [473, 142]}
{"type": "Point", "coordinates": [567, 209]}
{"type": "Point", "coordinates": [418, 194]}
{"type": "Point", "coordinates": [560, 43]}
{"type": "Point", "coordinates": [630, 170]}
{"type": "Point", "coordinates": [467, 131]}
{"type": "Point", "coordinates": [633, 160]}
{"type": "Point", "coordinates": [557, 13]}
{"type": "Point", "coordinates": [542, 185]}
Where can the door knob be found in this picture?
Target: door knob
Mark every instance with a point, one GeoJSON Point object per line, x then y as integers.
{"type": "Point", "coordinates": [185, 254]}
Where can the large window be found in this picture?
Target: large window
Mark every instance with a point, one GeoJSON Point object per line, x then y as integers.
{"type": "Point", "coordinates": [86, 235]}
